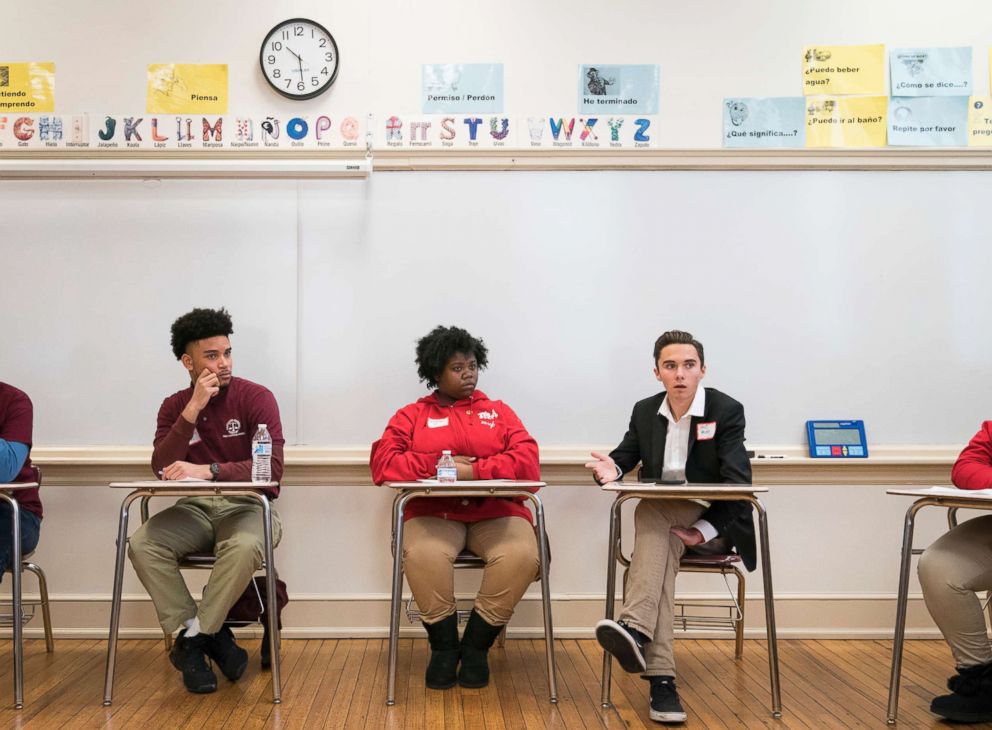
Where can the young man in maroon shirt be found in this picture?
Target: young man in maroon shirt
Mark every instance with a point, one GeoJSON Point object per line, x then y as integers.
{"type": "Point", "coordinates": [205, 432]}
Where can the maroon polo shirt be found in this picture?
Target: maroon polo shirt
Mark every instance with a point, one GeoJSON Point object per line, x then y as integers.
{"type": "Point", "coordinates": [16, 417]}
{"type": "Point", "coordinates": [222, 433]}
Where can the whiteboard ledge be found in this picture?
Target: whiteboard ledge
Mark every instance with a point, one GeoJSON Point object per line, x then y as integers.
{"type": "Point", "coordinates": [687, 159]}
{"type": "Point", "coordinates": [148, 168]}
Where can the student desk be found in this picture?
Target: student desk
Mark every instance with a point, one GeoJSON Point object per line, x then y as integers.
{"type": "Point", "coordinates": [406, 491]}
{"type": "Point", "coordinates": [709, 493]}
{"type": "Point", "coordinates": [952, 499]}
{"type": "Point", "coordinates": [185, 488]}
{"type": "Point", "coordinates": [15, 586]}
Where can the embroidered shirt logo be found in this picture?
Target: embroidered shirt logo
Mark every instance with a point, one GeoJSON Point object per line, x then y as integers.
{"type": "Point", "coordinates": [488, 418]}
{"type": "Point", "coordinates": [437, 422]}
{"type": "Point", "coordinates": [233, 428]}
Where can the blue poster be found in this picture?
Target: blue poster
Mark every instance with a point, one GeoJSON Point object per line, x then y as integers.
{"type": "Point", "coordinates": [769, 122]}
{"type": "Point", "coordinates": [921, 121]}
{"type": "Point", "coordinates": [630, 89]}
{"type": "Point", "coordinates": [930, 71]}
{"type": "Point", "coordinates": [461, 87]}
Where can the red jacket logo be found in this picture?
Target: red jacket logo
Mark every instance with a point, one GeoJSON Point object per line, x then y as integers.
{"type": "Point", "coordinates": [488, 418]}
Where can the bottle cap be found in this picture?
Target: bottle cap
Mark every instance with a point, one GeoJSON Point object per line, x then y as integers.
{"type": "Point", "coordinates": [262, 425]}
{"type": "Point", "coordinates": [446, 453]}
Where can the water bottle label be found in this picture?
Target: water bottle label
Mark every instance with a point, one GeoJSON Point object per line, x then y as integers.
{"type": "Point", "coordinates": [447, 473]}
{"type": "Point", "coordinates": [262, 449]}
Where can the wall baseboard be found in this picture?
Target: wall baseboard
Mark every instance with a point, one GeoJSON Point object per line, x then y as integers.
{"type": "Point", "coordinates": [798, 616]}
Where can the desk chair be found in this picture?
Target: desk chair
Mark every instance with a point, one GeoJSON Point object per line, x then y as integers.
{"type": "Point", "coordinates": [723, 564]}
{"type": "Point", "coordinates": [466, 559]}
{"type": "Point", "coordinates": [205, 561]}
{"type": "Point", "coordinates": [7, 619]}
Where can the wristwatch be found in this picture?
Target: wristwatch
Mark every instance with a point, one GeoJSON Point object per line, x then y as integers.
{"type": "Point", "coordinates": [214, 471]}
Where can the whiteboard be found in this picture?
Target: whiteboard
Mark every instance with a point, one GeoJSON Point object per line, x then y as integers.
{"type": "Point", "coordinates": [96, 272]}
{"type": "Point", "coordinates": [816, 294]}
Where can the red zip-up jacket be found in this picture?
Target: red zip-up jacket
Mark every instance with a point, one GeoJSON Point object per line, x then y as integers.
{"type": "Point", "coordinates": [973, 469]}
{"type": "Point", "coordinates": [476, 426]}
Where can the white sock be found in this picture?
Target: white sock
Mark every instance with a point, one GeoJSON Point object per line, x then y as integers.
{"type": "Point", "coordinates": [192, 627]}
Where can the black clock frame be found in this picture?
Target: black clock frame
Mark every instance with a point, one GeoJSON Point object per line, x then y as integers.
{"type": "Point", "coordinates": [313, 94]}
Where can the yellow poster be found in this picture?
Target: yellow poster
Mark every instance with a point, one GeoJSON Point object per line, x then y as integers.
{"type": "Point", "coordinates": [187, 88]}
{"type": "Point", "coordinates": [27, 87]}
{"type": "Point", "coordinates": [844, 70]}
{"type": "Point", "coordinates": [980, 121]}
{"type": "Point", "coordinates": [846, 121]}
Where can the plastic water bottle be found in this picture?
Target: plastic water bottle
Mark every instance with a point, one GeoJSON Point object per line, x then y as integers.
{"type": "Point", "coordinates": [447, 472]}
{"type": "Point", "coordinates": [261, 455]}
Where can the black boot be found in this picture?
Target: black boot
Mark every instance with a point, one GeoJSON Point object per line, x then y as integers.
{"type": "Point", "coordinates": [971, 698]}
{"type": "Point", "coordinates": [443, 637]}
{"type": "Point", "coordinates": [188, 655]}
{"type": "Point", "coordinates": [478, 637]}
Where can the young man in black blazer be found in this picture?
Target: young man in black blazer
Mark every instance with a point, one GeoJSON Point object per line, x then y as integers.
{"type": "Point", "coordinates": [686, 433]}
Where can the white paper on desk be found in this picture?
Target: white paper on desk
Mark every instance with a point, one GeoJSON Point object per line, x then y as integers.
{"type": "Point", "coordinates": [955, 492]}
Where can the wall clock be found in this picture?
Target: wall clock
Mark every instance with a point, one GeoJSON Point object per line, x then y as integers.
{"type": "Point", "coordinates": [299, 59]}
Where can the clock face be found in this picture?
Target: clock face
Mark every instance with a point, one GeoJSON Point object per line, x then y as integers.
{"type": "Point", "coordinates": [299, 58]}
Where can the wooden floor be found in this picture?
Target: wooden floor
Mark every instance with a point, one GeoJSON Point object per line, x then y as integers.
{"type": "Point", "coordinates": [341, 683]}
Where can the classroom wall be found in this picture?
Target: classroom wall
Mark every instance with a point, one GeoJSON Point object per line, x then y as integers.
{"type": "Point", "coordinates": [818, 294]}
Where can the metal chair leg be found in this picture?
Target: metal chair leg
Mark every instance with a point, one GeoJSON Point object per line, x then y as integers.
{"type": "Point", "coordinates": [115, 604]}
{"type": "Point", "coordinates": [397, 597]}
{"type": "Point", "coordinates": [611, 588]}
{"type": "Point", "coordinates": [46, 614]}
{"type": "Point", "coordinates": [549, 638]}
{"type": "Point", "coordinates": [739, 629]}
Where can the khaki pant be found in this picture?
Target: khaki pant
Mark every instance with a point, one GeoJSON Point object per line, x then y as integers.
{"type": "Point", "coordinates": [507, 544]}
{"type": "Point", "coordinates": [650, 603]}
{"type": "Point", "coordinates": [229, 527]}
{"type": "Point", "coordinates": [951, 570]}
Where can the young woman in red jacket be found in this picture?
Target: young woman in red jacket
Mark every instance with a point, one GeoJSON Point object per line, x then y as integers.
{"type": "Point", "coordinates": [487, 441]}
{"type": "Point", "coordinates": [951, 571]}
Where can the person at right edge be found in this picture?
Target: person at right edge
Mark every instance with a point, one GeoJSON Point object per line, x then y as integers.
{"type": "Point", "coordinates": [685, 433]}
{"type": "Point", "coordinates": [951, 571]}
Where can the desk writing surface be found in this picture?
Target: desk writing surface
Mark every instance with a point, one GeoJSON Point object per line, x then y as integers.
{"type": "Point", "coordinates": [480, 484]}
{"type": "Point", "coordinates": [682, 489]}
{"type": "Point", "coordinates": [977, 495]}
{"type": "Point", "coordinates": [191, 484]}
{"type": "Point", "coordinates": [14, 486]}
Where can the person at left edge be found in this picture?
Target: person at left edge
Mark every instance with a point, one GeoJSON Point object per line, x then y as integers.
{"type": "Point", "coordinates": [488, 441]}
{"type": "Point", "coordinates": [205, 432]}
{"type": "Point", "coordinates": [16, 420]}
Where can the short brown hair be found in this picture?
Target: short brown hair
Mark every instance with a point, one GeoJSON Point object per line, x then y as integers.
{"type": "Point", "coordinates": [678, 337]}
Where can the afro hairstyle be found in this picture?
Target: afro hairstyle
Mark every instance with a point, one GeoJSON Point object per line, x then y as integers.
{"type": "Point", "coordinates": [199, 324]}
{"type": "Point", "coordinates": [436, 348]}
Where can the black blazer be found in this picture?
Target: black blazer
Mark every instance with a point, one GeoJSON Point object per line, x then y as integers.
{"type": "Point", "coordinates": [720, 459]}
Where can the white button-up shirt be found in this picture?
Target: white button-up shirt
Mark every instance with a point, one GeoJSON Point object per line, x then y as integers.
{"type": "Point", "coordinates": [677, 448]}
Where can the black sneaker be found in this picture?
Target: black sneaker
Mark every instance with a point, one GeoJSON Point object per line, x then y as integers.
{"type": "Point", "coordinates": [971, 696]}
{"type": "Point", "coordinates": [231, 658]}
{"type": "Point", "coordinates": [626, 644]}
{"type": "Point", "coordinates": [665, 704]}
{"type": "Point", "coordinates": [189, 657]}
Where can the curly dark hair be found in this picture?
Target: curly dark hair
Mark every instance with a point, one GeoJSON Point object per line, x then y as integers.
{"type": "Point", "coordinates": [436, 348]}
{"type": "Point", "coordinates": [199, 324]}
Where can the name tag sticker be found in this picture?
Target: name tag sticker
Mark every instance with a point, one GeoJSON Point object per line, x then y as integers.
{"type": "Point", "coordinates": [437, 422]}
{"type": "Point", "coordinates": [705, 431]}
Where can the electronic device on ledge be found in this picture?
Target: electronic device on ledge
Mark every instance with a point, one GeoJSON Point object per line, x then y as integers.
{"type": "Point", "coordinates": [837, 439]}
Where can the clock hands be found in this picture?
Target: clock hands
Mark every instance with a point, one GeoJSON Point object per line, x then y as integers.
{"type": "Point", "coordinates": [299, 60]}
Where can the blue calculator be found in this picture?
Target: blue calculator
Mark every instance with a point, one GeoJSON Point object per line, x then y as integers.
{"type": "Point", "coordinates": [837, 439]}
